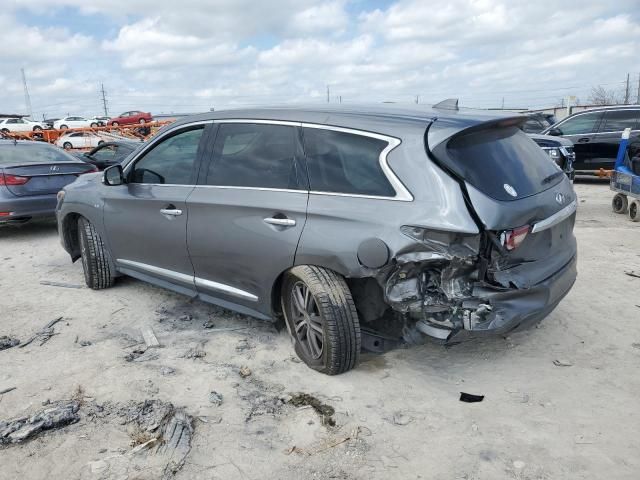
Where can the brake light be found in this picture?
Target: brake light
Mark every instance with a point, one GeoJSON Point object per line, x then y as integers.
{"type": "Point", "coordinates": [94, 169]}
{"type": "Point", "coordinates": [511, 239]}
{"type": "Point", "coordinates": [6, 179]}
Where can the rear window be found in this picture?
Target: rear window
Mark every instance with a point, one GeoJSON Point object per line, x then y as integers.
{"type": "Point", "coordinates": [32, 153]}
{"type": "Point", "coordinates": [502, 163]}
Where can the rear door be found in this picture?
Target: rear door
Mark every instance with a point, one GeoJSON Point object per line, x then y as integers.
{"type": "Point", "coordinates": [606, 141]}
{"type": "Point", "coordinates": [246, 214]}
{"type": "Point", "coordinates": [146, 218]}
{"type": "Point", "coordinates": [580, 129]}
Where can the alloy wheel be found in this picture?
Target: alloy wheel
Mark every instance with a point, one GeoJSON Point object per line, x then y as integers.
{"type": "Point", "coordinates": [306, 320]}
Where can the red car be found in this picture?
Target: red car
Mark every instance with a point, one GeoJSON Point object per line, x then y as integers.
{"type": "Point", "coordinates": [128, 118]}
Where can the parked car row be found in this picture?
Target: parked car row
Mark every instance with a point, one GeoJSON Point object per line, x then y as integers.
{"type": "Point", "coordinates": [26, 125]}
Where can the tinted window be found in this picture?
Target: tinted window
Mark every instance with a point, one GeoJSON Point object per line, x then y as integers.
{"type": "Point", "coordinates": [251, 155]}
{"type": "Point", "coordinates": [532, 126]}
{"type": "Point", "coordinates": [580, 124]}
{"type": "Point", "coordinates": [498, 160]}
{"type": "Point", "coordinates": [34, 152]}
{"type": "Point", "coordinates": [617, 121]}
{"type": "Point", "coordinates": [169, 162]}
{"type": "Point", "coordinates": [105, 153]}
{"type": "Point", "coordinates": [345, 163]}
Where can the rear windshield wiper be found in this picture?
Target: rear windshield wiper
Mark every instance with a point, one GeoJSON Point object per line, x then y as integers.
{"type": "Point", "coordinates": [552, 176]}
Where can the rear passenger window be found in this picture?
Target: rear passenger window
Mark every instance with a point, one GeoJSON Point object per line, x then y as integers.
{"type": "Point", "coordinates": [617, 121]}
{"type": "Point", "coordinates": [345, 163]}
{"type": "Point", "coordinates": [254, 155]}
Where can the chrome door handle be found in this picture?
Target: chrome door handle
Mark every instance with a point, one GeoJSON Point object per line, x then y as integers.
{"type": "Point", "coordinates": [171, 211]}
{"type": "Point", "coordinates": [282, 222]}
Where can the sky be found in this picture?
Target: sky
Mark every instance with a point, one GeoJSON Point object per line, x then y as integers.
{"type": "Point", "coordinates": [167, 56]}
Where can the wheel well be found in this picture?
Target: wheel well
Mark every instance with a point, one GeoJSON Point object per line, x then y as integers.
{"type": "Point", "coordinates": [70, 232]}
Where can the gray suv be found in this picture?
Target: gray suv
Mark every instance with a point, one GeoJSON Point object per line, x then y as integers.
{"type": "Point", "coordinates": [363, 227]}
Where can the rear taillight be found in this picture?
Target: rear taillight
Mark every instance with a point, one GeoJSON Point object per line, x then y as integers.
{"type": "Point", "coordinates": [6, 179]}
{"type": "Point", "coordinates": [94, 169]}
{"type": "Point", "coordinates": [511, 239]}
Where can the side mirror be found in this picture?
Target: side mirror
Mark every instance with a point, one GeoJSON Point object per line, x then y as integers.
{"type": "Point", "coordinates": [556, 132]}
{"type": "Point", "coordinates": [113, 176]}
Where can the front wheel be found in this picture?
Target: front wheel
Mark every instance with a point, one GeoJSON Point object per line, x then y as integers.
{"type": "Point", "coordinates": [95, 258]}
{"type": "Point", "coordinates": [63, 127]}
{"type": "Point", "coordinates": [37, 129]}
{"type": "Point", "coordinates": [94, 125]}
{"type": "Point", "coordinates": [114, 124]}
{"type": "Point", "coordinates": [67, 146]}
{"type": "Point", "coordinates": [619, 204]}
{"type": "Point", "coordinates": [322, 319]}
{"type": "Point", "coordinates": [142, 121]}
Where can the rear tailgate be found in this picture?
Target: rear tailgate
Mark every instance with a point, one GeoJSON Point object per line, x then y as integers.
{"type": "Point", "coordinates": [42, 179]}
{"type": "Point", "coordinates": [512, 186]}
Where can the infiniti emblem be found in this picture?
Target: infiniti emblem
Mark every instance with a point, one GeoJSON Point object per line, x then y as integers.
{"type": "Point", "coordinates": [54, 168]}
{"type": "Point", "coordinates": [560, 198]}
{"type": "Point", "coordinates": [510, 190]}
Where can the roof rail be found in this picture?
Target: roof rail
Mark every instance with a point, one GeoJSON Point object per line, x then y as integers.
{"type": "Point", "coordinates": [448, 104]}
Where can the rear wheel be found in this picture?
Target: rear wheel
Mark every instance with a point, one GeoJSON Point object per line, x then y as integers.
{"type": "Point", "coordinates": [619, 203]}
{"type": "Point", "coordinates": [114, 124]}
{"type": "Point", "coordinates": [63, 127]}
{"type": "Point", "coordinates": [322, 319]}
{"type": "Point", "coordinates": [94, 125]}
{"type": "Point", "coordinates": [67, 146]}
{"type": "Point", "coordinates": [142, 121]}
{"type": "Point", "coordinates": [37, 129]}
{"type": "Point", "coordinates": [5, 130]}
{"type": "Point", "coordinates": [634, 211]}
{"type": "Point", "coordinates": [95, 259]}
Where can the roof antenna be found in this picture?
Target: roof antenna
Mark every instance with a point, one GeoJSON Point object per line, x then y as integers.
{"type": "Point", "coordinates": [448, 104]}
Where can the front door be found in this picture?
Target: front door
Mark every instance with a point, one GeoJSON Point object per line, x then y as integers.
{"type": "Point", "coordinates": [246, 215]}
{"type": "Point", "coordinates": [580, 130]}
{"type": "Point", "coordinates": [146, 218]}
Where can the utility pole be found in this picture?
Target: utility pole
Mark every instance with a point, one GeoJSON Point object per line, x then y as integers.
{"type": "Point", "coordinates": [638, 97]}
{"type": "Point", "coordinates": [417, 98]}
{"type": "Point", "coordinates": [626, 92]}
{"type": "Point", "coordinates": [502, 103]}
{"type": "Point", "coordinates": [328, 97]}
{"type": "Point", "coordinates": [104, 100]}
{"type": "Point", "coordinates": [340, 98]}
{"type": "Point", "coordinates": [27, 99]}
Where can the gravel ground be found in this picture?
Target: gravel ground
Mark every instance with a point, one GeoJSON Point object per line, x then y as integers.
{"type": "Point", "coordinates": [396, 415]}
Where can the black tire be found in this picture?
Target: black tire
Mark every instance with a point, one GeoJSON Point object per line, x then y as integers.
{"type": "Point", "coordinates": [94, 125]}
{"type": "Point", "coordinates": [67, 146]}
{"type": "Point", "coordinates": [619, 204]}
{"type": "Point", "coordinates": [5, 130]}
{"type": "Point", "coordinates": [634, 211]}
{"type": "Point", "coordinates": [142, 121]}
{"type": "Point", "coordinates": [95, 258]}
{"type": "Point", "coordinates": [114, 124]}
{"type": "Point", "coordinates": [37, 129]}
{"type": "Point", "coordinates": [336, 314]}
{"type": "Point", "coordinates": [63, 127]}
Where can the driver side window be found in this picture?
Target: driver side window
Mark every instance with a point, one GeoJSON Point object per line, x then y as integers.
{"type": "Point", "coordinates": [171, 161]}
{"type": "Point", "coordinates": [581, 124]}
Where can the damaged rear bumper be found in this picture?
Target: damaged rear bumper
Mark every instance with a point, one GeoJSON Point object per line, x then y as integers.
{"type": "Point", "coordinates": [516, 309]}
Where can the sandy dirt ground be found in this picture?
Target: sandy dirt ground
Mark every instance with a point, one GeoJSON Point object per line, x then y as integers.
{"type": "Point", "coordinates": [397, 415]}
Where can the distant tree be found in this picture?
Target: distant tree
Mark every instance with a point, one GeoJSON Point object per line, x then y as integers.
{"type": "Point", "coordinates": [602, 96]}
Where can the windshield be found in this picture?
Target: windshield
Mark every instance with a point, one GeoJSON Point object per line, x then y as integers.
{"type": "Point", "coordinates": [32, 153]}
{"type": "Point", "coordinates": [503, 163]}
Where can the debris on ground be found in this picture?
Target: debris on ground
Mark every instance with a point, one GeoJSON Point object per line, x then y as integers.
{"type": "Point", "coordinates": [141, 355]}
{"type": "Point", "coordinates": [20, 429]}
{"type": "Point", "coordinates": [635, 345]}
{"type": "Point", "coordinates": [470, 398]}
{"type": "Point", "coordinates": [8, 342]}
{"type": "Point", "coordinates": [263, 398]}
{"type": "Point", "coordinates": [215, 398]}
{"type": "Point", "coordinates": [208, 324]}
{"type": "Point", "coordinates": [401, 419]}
{"type": "Point", "coordinates": [44, 334]}
{"type": "Point", "coordinates": [85, 343]}
{"type": "Point", "coordinates": [562, 363]}
{"type": "Point", "coordinates": [325, 411]}
{"type": "Point", "coordinates": [194, 352]}
{"type": "Point", "coordinates": [185, 318]}
{"type": "Point", "coordinates": [633, 274]}
{"type": "Point", "coordinates": [245, 372]}
{"type": "Point", "coordinates": [149, 337]}
{"type": "Point", "coordinates": [60, 284]}
{"type": "Point", "coordinates": [242, 346]}
{"type": "Point", "coordinates": [167, 371]}
{"type": "Point", "coordinates": [7, 390]}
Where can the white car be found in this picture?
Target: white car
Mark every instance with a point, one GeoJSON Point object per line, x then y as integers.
{"type": "Point", "coordinates": [79, 140]}
{"type": "Point", "coordinates": [99, 121]}
{"type": "Point", "coordinates": [71, 122]}
{"type": "Point", "coordinates": [20, 125]}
